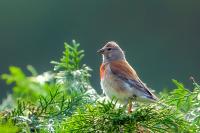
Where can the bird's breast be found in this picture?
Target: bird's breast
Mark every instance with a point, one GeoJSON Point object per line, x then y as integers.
{"type": "Point", "coordinates": [102, 71]}
{"type": "Point", "coordinates": [114, 87]}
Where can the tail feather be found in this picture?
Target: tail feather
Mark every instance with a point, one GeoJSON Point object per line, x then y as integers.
{"type": "Point", "coordinates": [152, 97]}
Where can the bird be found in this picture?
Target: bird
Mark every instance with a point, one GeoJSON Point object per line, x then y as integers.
{"type": "Point", "coordinates": [119, 80]}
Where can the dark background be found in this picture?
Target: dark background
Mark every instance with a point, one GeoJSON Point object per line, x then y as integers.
{"type": "Point", "coordinates": [161, 38]}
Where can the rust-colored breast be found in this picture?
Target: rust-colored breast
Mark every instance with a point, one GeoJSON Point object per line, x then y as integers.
{"type": "Point", "coordinates": [102, 71]}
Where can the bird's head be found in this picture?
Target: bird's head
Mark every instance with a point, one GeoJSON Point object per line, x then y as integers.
{"type": "Point", "coordinates": [111, 52]}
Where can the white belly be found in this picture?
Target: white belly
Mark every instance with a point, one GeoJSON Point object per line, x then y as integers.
{"type": "Point", "coordinates": [114, 88]}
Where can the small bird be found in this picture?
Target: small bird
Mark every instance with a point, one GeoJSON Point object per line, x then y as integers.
{"type": "Point", "coordinates": [119, 80]}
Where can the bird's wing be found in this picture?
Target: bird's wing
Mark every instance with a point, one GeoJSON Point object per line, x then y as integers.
{"type": "Point", "coordinates": [126, 73]}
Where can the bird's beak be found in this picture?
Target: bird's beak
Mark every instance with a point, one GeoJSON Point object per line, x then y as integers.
{"type": "Point", "coordinates": [100, 51]}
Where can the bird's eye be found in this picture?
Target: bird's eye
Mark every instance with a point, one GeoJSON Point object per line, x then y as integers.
{"type": "Point", "coordinates": [109, 49]}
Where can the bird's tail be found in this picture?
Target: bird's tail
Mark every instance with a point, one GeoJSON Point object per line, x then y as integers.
{"type": "Point", "coordinates": [152, 97]}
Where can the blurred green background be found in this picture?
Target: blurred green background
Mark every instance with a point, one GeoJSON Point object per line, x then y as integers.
{"type": "Point", "coordinates": [161, 38]}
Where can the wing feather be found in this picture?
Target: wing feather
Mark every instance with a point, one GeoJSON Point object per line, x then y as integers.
{"type": "Point", "coordinates": [126, 73]}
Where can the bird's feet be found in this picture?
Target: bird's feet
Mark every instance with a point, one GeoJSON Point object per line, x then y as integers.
{"type": "Point", "coordinates": [130, 107]}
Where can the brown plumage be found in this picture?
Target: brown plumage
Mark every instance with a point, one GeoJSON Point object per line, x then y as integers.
{"type": "Point", "coordinates": [119, 79]}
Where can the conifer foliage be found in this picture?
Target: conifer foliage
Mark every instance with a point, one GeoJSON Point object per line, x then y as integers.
{"type": "Point", "coordinates": [63, 100]}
